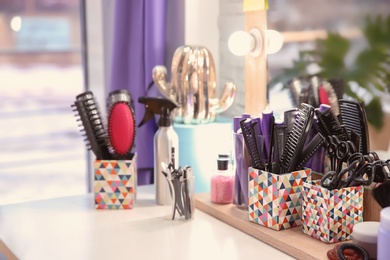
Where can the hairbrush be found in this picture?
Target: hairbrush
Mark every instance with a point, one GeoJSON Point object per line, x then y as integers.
{"type": "Point", "coordinates": [333, 100]}
{"type": "Point", "coordinates": [330, 125]}
{"type": "Point", "coordinates": [295, 88]}
{"type": "Point", "coordinates": [86, 108]}
{"type": "Point", "coordinates": [313, 92]}
{"type": "Point", "coordinates": [250, 143]}
{"type": "Point", "coordinates": [121, 123]}
{"type": "Point", "coordinates": [296, 138]}
{"type": "Point", "coordinates": [353, 116]}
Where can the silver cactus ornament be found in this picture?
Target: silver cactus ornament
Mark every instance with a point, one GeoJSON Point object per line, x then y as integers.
{"type": "Point", "coordinates": [193, 86]}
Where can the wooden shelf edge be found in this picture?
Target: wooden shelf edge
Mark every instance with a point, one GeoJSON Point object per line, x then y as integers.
{"type": "Point", "coordinates": [290, 241]}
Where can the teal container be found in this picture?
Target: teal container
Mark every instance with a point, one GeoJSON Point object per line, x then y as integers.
{"type": "Point", "coordinates": [199, 146]}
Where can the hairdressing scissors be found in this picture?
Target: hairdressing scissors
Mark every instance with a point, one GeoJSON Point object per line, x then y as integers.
{"type": "Point", "coordinates": [357, 172]}
{"type": "Point", "coordinates": [339, 152]}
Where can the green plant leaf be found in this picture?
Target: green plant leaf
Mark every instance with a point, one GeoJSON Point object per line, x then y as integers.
{"type": "Point", "coordinates": [374, 113]}
{"type": "Point", "coordinates": [298, 69]}
{"type": "Point", "coordinates": [330, 54]}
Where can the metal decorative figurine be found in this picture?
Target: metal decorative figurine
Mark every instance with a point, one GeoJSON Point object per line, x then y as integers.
{"type": "Point", "coordinates": [193, 86]}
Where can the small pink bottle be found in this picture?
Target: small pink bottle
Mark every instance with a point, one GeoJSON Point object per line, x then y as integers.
{"type": "Point", "coordinates": [222, 182]}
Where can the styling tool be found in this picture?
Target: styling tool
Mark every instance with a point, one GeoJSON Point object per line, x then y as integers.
{"type": "Point", "coordinates": [121, 124]}
{"type": "Point", "coordinates": [310, 149]}
{"type": "Point", "coordinates": [271, 147]}
{"type": "Point", "coordinates": [88, 112]}
{"type": "Point", "coordinates": [289, 119]}
{"type": "Point", "coordinates": [279, 143]}
{"type": "Point", "coordinates": [313, 95]}
{"type": "Point", "coordinates": [250, 143]}
{"type": "Point", "coordinates": [259, 138]}
{"type": "Point", "coordinates": [296, 138]}
{"type": "Point", "coordinates": [353, 116]}
{"type": "Point", "coordinates": [333, 100]}
{"type": "Point", "coordinates": [267, 122]}
{"type": "Point", "coordinates": [295, 87]}
{"type": "Point", "coordinates": [330, 125]}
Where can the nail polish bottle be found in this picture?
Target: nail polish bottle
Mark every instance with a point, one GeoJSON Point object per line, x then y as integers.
{"type": "Point", "coordinates": [222, 182]}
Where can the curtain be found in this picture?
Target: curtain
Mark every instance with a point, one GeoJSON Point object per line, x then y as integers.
{"type": "Point", "coordinates": [138, 46]}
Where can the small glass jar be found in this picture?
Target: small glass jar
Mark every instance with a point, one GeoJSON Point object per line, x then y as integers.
{"type": "Point", "coordinates": [222, 182]}
{"type": "Point", "coordinates": [365, 234]}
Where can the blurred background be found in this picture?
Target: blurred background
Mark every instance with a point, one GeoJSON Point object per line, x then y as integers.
{"type": "Point", "coordinates": [43, 66]}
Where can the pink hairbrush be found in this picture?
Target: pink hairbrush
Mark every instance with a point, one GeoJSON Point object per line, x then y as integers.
{"type": "Point", "coordinates": [121, 124]}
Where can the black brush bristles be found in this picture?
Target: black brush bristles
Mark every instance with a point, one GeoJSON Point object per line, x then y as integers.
{"type": "Point", "coordinates": [330, 125]}
{"type": "Point", "coordinates": [92, 125]}
{"type": "Point", "coordinates": [296, 138]}
{"type": "Point", "coordinates": [353, 116]}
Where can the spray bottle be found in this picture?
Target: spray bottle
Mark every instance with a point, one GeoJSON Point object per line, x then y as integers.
{"type": "Point", "coordinates": [166, 141]}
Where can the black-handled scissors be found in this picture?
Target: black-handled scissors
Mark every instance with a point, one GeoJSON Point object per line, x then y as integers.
{"type": "Point", "coordinates": [339, 152]}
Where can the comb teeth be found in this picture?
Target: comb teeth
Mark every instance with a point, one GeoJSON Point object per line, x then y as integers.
{"type": "Point", "coordinates": [354, 118]}
{"type": "Point", "coordinates": [249, 139]}
{"type": "Point", "coordinates": [297, 137]}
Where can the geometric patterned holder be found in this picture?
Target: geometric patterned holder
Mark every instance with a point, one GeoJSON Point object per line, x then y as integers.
{"type": "Point", "coordinates": [275, 200]}
{"type": "Point", "coordinates": [114, 183]}
{"type": "Point", "coordinates": [329, 215]}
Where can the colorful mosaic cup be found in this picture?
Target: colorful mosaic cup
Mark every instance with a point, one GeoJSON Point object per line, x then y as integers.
{"type": "Point", "coordinates": [329, 215]}
{"type": "Point", "coordinates": [275, 199]}
{"type": "Point", "coordinates": [115, 183]}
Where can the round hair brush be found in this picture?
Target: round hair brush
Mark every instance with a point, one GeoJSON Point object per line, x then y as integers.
{"type": "Point", "coordinates": [121, 124]}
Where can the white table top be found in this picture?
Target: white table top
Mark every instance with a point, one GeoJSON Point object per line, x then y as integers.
{"type": "Point", "coordinates": [71, 228]}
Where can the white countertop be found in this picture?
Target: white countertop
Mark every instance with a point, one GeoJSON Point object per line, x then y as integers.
{"type": "Point", "coordinates": [71, 228]}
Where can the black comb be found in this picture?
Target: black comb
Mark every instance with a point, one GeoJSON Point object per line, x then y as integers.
{"type": "Point", "coordinates": [250, 143]}
{"type": "Point", "coordinates": [353, 116]}
{"type": "Point", "coordinates": [89, 115]}
{"type": "Point", "coordinates": [310, 150]}
{"type": "Point", "coordinates": [296, 138]}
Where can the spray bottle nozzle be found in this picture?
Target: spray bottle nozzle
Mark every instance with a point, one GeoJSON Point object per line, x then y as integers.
{"type": "Point", "coordinates": [160, 106]}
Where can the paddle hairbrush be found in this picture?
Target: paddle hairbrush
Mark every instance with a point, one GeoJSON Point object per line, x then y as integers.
{"type": "Point", "coordinates": [121, 123]}
{"type": "Point", "coordinates": [92, 125]}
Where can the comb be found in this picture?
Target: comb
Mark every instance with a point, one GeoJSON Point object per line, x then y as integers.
{"type": "Point", "coordinates": [353, 116]}
{"type": "Point", "coordinates": [310, 150]}
{"type": "Point", "coordinates": [250, 143]}
{"type": "Point", "coordinates": [296, 138]}
{"type": "Point", "coordinates": [279, 142]}
{"type": "Point", "coordinates": [92, 125]}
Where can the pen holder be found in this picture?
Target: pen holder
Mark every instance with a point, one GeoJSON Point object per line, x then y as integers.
{"type": "Point", "coordinates": [180, 199]}
{"type": "Point", "coordinates": [329, 215]}
{"type": "Point", "coordinates": [275, 200]}
{"type": "Point", "coordinates": [115, 183]}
